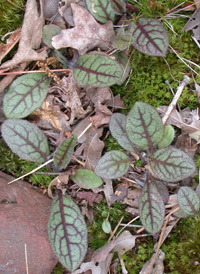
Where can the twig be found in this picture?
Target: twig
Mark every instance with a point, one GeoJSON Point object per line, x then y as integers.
{"type": "Point", "coordinates": [175, 99]}
{"type": "Point", "coordinates": [37, 168]}
{"type": "Point", "coordinates": [130, 225]}
{"type": "Point", "coordinates": [127, 225]}
{"type": "Point", "coordinates": [160, 239]}
{"type": "Point", "coordinates": [15, 5]}
{"type": "Point", "coordinates": [26, 259]}
{"type": "Point", "coordinates": [183, 61]}
{"type": "Point", "coordinates": [32, 71]}
{"type": "Point", "coordinates": [113, 233]}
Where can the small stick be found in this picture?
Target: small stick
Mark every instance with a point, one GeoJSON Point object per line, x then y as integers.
{"type": "Point", "coordinates": [176, 98]}
{"type": "Point", "coordinates": [26, 259]}
{"type": "Point", "coordinates": [127, 225]}
{"type": "Point", "coordinates": [37, 168]}
{"type": "Point", "coordinates": [32, 71]}
{"type": "Point", "coordinates": [113, 233]}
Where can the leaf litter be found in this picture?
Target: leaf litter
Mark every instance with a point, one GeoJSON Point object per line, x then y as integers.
{"type": "Point", "coordinates": [71, 109]}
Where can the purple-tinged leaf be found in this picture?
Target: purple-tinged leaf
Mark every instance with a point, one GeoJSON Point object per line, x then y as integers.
{"type": "Point", "coordinates": [124, 61]}
{"type": "Point", "coordinates": [25, 94]}
{"type": "Point", "coordinates": [112, 165]}
{"type": "Point", "coordinates": [188, 200]}
{"type": "Point", "coordinates": [150, 37]}
{"type": "Point", "coordinates": [97, 70]}
{"type": "Point", "coordinates": [117, 128]}
{"type": "Point", "coordinates": [171, 164]}
{"type": "Point", "coordinates": [26, 140]}
{"type": "Point", "coordinates": [152, 209]}
{"type": "Point", "coordinates": [163, 190]}
{"type": "Point", "coordinates": [86, 179]}
{"type": "Point", "coordinates": [198, 191]}
{"type": "Point", "coordinates": [144, 126]}
{"type": "Point", "coordinates": [67, 232]}
{"type": "Point", "coordinates": [118, 6]}
{"type": "Point", "coordinates": [122, 40]}
{"type": "Point", "coordinates": [63, 153]}
{"type": "Point", "coordinates": [101, 10]}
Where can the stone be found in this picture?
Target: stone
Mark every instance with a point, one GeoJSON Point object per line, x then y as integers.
{"type": "Point", "coordinates": [24, 214]}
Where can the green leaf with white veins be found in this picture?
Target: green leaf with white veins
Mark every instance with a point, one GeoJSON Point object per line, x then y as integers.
{"type": "Point", "coordinates": [101, 10]}
{"type": "Point", "coordinates": [26, 140]}
{"type": "Point", "coordinates": [97, 70]}
{"type": "Point", "coordinates": [25, 95]}
{"type": "Point", "coordinates": [149, 37]}
{"type": "Point", "coordinates": [112, 165]}
{"type": "Point", "coordinates": [86, 179]}
{"type": "Point", "coordinates": [67, 232]}
{"type": "Point", "coordinates": [117, 128]}
{"type": "Point", "coordinates": [171, 164]}
{"type": "Point", "coordinates": [152, 209]}
{"type": "Point", "coordinates": [124, 61]}
{"type": "Point", "coordinates": [188, 200]}
{"type": "Point", "coordinates": [144, 126]}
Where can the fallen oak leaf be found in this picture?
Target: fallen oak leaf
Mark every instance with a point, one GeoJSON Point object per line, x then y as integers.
{"type": "Point", "coordinates": [89, 196]}
{"type": "Point", "coordinates": [87, 33]}
{"type": "Point", "coordinates": [31, 34]}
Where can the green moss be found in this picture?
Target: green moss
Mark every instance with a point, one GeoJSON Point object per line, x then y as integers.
{"type": "Point", "coordinates": [136, 258]}
{"type": "Point", "coordinates": [11, 16]}
{"type": "Point", "coordinates": [182, 249]}
{"type": "Point", "coordinates": [59, 269]}
{"type": "Point", "coordinates": [97, 238]}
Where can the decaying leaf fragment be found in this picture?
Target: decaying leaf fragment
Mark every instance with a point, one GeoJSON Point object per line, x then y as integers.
{"type": "Point", "coordinates": [31, 35]}
{"type": "Point", "coordinates": [194, 24]}
{"type": "Point", "coordinates": [87, 33]}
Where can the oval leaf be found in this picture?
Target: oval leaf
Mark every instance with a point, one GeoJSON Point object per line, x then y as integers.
{"type": "Point", "coordinates": [188, 200]}
{"type": "Point", "coordinates": [97, 70]}
{"type": "Point", "coordinates": [67, 232]}
{"type": "Point", "coordinates": [112, 165]}
{"type": "Point", "coordinates": [124, 61]}
{"type": "Point", "coordinates": [101, 10]}
{"type": "Point", "coordinates": [181, 214]}
{"type": "Point", "coordinates": [106, 226]}
{"type": "Point", "coordinates": [25, 94]}
{"type": "Point", "coordinates": [171, 164]}
{"type": "Point", "coordinates": [122, 40]}
{"type": "Point", "coordinates": [152, 209]}
{"type": "Point", "coordinates": [48, 32]}
{"type": "Point", "coordinates": [168, 136]}
{"type": "Point", "coordinates": [144, 126]}
{"type": "Point", "coordinates": [163, 190]}
{"type": "Point", "coordinates": [150, 37]}
{"type": "Point", "coordinates": [198, 191]}
{"type": "Point", "coordinates": [63, 153]}
{"type": "Point", "coordinates": [117, 128]}
{"type": "Point", "coordinates": [26, 140]}
{"type": "Point", "coordinates": [86, 179]}
{"type": "Point", "coordinates": [118, 6]}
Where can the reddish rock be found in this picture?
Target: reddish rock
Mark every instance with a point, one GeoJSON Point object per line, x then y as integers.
{"type": "Point", "coordinates": [24, 214]}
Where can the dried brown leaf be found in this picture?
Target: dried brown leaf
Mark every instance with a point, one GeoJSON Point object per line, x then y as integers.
{"type": "Point", "coordinates": [87, 33]}
{"type": "Point", "coordinates": [50, 116]}
{"type": "Point", "coordinates": [158, 265]}
{"type": "Point", "coordinates": [194, 24]}
{"type": "Point", "coordinates": [92, 152]}
{"type": "Point", "coordinates": [10, 43]}
{"type": "Point", "coordinates": [31, 35]}
{"type": "Point", "coordinates": [188, 122]}
{"type": "Point", "coordinates": [89, 196]}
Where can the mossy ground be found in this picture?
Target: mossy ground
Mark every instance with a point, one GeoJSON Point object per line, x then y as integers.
{"type": "Point", "coordinates": [147, 83]}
